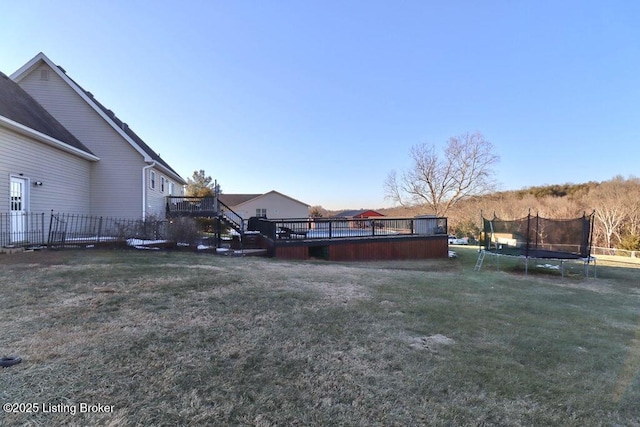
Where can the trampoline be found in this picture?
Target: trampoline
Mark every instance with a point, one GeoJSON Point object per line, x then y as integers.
{"type": "Point", "coordinates": [538, 238]}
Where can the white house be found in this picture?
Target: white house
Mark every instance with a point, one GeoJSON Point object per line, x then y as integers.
{"type": "Point", "coordinates": [74, 154]}
{"type": "Point", "coordinates": [269, 205]}
{"type": "Point", "coordinates": [43, 166]}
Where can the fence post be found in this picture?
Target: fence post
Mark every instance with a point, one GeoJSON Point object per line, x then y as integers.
{"type": "Point", "coordinates": [2, 228]}
{"type": "Point", "coordinates": [50, 226]}
{"type": "Point", "coordinates": [99, 229]}
{"type": "Point", "coordinates": [41, 229]}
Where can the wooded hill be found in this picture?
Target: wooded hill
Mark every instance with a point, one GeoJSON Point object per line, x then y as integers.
{"type": "Point", "coordinates": [616, 204]}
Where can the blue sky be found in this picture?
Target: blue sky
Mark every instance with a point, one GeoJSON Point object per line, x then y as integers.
{"type": "Point", "coordinates": [320, 100]}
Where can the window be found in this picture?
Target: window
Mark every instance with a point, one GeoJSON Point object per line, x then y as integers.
{"type": "Point", "coordinates": [162, 184]}
{"type": "Point", "coordinates": [152, 179]}
{"type": "Point", "coordinates": [261, 213]}
{"type": "Point", "coordinates": [170, 188]}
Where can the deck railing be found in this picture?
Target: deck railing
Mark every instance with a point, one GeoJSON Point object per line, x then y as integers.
{"type": "Point", "coordinates": [333, 228]}
{"type": "Point", "coordinates": [232, 218]}
{"type": "Point", "coordinates": [204, 207]}
{"type": "Point", "coordinates": [187, 205]}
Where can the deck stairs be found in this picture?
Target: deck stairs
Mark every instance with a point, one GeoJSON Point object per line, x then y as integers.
{"type": "Point", "coordinates": [206, 207]}
{"type": "Point", "coordinates": [231, 218]}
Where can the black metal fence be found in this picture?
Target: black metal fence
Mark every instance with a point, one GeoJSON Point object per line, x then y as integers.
{"type": "Point", "coordinates": [71, 229]}
{"type": "Point", "coordinates": [334, 228]}
{"type": "Point", "coordinates": [23, 228]}
{"type": "Point", "coordinates": [62, 229]}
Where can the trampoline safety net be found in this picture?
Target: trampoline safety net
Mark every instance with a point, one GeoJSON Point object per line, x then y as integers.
{"type": "Point", "coordinates": [537, 237]}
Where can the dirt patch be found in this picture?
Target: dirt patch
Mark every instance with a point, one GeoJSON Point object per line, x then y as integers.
{"type": "Point", "coordinates": [333, 283]}
{"type": "Point", "coordinates": [192, 266]}
{"type": "Point", "coordinates": [599, 286]}
{"type": "Point", "coordinates": [39, 258]}
{"type": "Point", "coordinates": [433, 343]}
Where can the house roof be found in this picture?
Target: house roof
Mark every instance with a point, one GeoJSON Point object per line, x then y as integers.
{"type": "Point", "coordinates": [238, 199]}
{"type": "Point", "coordinates": [131, 134]}
{"type": "Point", "coordinates": [118, 125]}
{"type": "Point", "coordinates": [19, 107]}
{"type": "Point", "coordinates": [355, 213]}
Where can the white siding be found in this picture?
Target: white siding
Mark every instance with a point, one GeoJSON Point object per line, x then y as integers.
{"type": "Point", "coordinates": [116, 180]}
{"type": "Point", "coordinates": [156, 202]}
{"type": "Point", "coordinates": [65, 178]}
{"type": "Point", "coordinates": [277, 207]}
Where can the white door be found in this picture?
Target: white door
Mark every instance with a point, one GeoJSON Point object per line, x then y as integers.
{"type": "Point", "coordinates": [18, 208]}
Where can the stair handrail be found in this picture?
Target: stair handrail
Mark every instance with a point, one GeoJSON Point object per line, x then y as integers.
{"type": "Point", "coordinates": [233, 217]}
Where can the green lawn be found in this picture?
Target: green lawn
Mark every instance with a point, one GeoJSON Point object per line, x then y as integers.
{"type": "Point", "coordinates": [174, 338]}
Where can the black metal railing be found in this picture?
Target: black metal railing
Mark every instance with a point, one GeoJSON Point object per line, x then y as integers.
{"type": "Point", "coordinates": [187, 205]}
{"type": "Point", "coordinates": [232, 219]}
{"type": "Point", "coordinates": [209, 206]}
{"type": "Point", "coordinates": [23, 228]}
{"type": "Point", "coordinates": [71, 229]}
{"type": "Point", "coordinates": [335, 228]}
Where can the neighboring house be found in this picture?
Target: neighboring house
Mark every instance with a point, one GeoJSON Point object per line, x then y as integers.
{"type": "Point", "coordinates": [269, 205]}
{"type": "Point", "coordinates": [43, 167]}
{"type": "Point", "coordinates": [363, 213]}
{"type": "Point", "coordinates": [95, 164]}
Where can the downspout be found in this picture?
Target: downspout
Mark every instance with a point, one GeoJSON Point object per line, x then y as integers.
{"type": "Point", "coordinates": [144, 188]}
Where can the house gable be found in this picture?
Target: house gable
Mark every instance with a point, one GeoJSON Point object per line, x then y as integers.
{"type": "Point", "coordinates": [23, 114]}
{"type": "Point", "coordinates": [278, 194]}
{"type": "Point", "coordinates": [273, 204]}
{"type": "Point", "coordinates": [49, 164]}
{"type": "Point", "coordinates": [121, 128]}
{"type": "Point", "coordinates": [233, 200]}
{"type": "Point", "coordinates": [120, 181]}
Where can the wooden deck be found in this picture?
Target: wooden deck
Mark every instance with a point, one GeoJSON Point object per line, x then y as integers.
{"type": "Point", "coordinates": [204, 207]}
{"type": "Point", "coordinates": [363, 249]}
{"type": "Point", "coordinates": [192, 206]}
{"type": "Point", "coordinates": [354, 240]}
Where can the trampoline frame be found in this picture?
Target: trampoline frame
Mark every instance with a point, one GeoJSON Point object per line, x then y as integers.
{"type": "Point", "coordinates": [586, 262]}
{"type": "Point", "coordinates": [529, 251]}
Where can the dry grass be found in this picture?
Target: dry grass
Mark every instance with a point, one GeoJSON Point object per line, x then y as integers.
{"type": "Point", "coordinates": [184, 339]}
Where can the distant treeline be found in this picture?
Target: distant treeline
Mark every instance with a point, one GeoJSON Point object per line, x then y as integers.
{"type": "Point", "coordinates": [616, 204]}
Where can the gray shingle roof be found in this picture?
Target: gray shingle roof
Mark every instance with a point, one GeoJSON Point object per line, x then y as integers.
{"type": "Point", "coordinates": [130, 133]}
{"type": "Point", "coordinates": [122, 125]}
{"type": "Point", "coordinates": [19, 106]}
{"type": "Point", "coordinates": [237, 199]}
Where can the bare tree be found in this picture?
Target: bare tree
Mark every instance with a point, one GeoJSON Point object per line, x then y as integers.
{"type": "Point", "coordinates": [632, 206]}
{"type": "Point", "coordinates": [466, 170]}
{"type": "Point", "coordinates": [608, 201]}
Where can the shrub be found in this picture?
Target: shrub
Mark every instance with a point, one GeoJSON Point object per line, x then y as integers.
{"type": "Point", "coordinates": [630, 242]}
{"type": "Point", "coordinates": [153, 228]}
{"type": "Point", "coordinates": [209, 225]}
{"type": "Point", "coordinates": [183, 230]}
